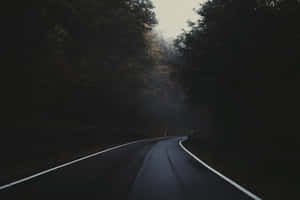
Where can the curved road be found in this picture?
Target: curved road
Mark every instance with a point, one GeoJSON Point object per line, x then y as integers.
{"type": "Point", "coordinates": [145, 170]}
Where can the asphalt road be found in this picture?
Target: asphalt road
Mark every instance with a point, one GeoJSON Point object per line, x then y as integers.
{"type": "Point", "coordinates": [147, 170]}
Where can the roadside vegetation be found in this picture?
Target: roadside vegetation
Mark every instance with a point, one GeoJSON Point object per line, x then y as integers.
{"type": "Point", "coordinates": [77, 76]}
{"type": "Point", "coordinates": [242, 64]}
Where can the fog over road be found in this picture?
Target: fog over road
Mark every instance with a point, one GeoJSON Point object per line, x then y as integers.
{"type": "Point", "coordinates": [146, 170]}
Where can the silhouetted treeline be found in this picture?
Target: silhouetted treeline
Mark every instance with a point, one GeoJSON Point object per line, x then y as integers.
{"type": "Point", "coordinates": [242, 60]}
{"type": "Point", "coordinates": [69, 65]}
{"type": "Point", "coordinates": [242, 63]}
{"type": "Point", "coordinates": [64, 57]}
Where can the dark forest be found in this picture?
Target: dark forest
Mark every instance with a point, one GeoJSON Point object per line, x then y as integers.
{"type": "Point", "coordinates": [83, 75]}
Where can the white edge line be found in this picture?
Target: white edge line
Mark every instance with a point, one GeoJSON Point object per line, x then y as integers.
{"type": "Point", "coordinates": [72, 162]}
{"type": "Point", "coordinates": [253, 196]}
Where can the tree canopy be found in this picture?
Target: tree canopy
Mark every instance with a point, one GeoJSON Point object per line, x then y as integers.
{"type": "Point", "coordinates": [57, 50]}
{"type": "Point", "coordinates": [242, 60]}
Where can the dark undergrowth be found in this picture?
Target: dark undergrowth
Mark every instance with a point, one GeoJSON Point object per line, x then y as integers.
{"type": "Point", "coordinates": [23, 156]}
{"type": "Point", "coordinates": [269, 177]}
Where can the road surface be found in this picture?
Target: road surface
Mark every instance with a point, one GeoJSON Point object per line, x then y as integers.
{"type": "Point", "coordinates": [146, 170]}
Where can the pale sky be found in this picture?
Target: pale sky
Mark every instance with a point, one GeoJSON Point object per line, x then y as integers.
{"type": "Point", "coordinates": [172, 15]}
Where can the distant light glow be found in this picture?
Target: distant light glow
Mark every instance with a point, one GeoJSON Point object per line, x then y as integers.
{"type": "Point", "coordinates": [173, 15]}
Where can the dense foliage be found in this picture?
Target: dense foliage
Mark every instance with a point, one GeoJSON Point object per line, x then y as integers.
{"type": "Point", "coordinates": [242, 61]}
{"type": "Point", "coordinates": [73, 71]}
{"type": "Point", "coordinates": [71, 59]}
{"type": "Point", "coordinates": [242, 65]}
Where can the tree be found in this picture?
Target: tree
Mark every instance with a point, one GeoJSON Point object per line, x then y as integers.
{"type": "Point", "coordinates": [241, 60]}
{"type": "Point", "coordinates": [66, 51]}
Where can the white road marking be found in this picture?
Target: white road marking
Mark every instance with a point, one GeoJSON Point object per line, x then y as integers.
{"type": "Point", "coordinates": [245, 191]}
{"type": "Point", "coordinates": [72, 162]}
